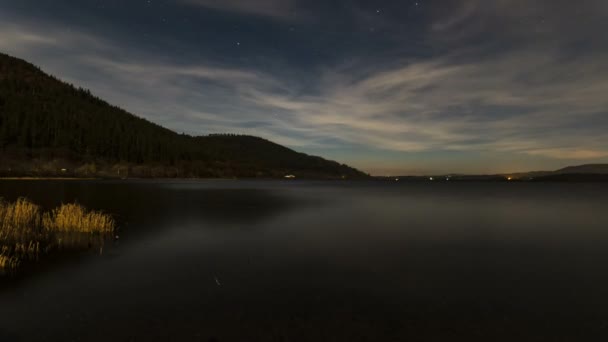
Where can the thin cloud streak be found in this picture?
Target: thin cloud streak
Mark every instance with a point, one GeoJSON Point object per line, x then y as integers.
{"type": "Point", "coordinates": [392, 109]}
{"type": "Point", "coordinates": [275, 9]}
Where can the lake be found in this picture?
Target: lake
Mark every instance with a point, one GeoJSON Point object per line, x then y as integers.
{"type": "Point", "coordinates": [230, 260]}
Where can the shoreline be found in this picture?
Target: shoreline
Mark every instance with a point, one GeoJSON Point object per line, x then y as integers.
{"type": "Point", "coordinates": [47, 178]}
{"type": "Point", "coordinates": [180, 179]}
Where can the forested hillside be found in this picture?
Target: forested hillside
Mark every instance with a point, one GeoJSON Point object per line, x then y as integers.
{"type": "Point", "coordinates": [50, 128]}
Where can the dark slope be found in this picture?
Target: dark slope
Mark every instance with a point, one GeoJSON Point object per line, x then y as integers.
{"type": "Point", "coordinates": [48, 127]}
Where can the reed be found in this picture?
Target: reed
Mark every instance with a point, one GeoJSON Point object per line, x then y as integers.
{"type": "Point", "coordinates": [75, 218]}
{"type": "Point", "coordinates": [26, 232]}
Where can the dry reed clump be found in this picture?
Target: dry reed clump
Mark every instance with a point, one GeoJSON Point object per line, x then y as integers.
{"type": "Point", "coordinates": [75, 218]}
{"type": "Point", "coordinates": [26, 232]}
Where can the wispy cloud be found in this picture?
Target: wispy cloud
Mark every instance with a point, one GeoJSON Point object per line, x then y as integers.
{"type": "Point", "coordinates": [570, 153]}
{"type": "Point", "coordinates": [509, 104]}
{"type": "Point", "coordinates": [558, 20]}
{"type": "Point", "coordinates": [277, 9]}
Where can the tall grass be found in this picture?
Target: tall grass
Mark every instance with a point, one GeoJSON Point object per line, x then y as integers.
{"type": "Point", "coordinates": [75, 218]}
{"type": "Point", "coordinates": [26, 232]}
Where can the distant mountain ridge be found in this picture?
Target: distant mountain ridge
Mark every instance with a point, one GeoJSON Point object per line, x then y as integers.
{"type": "Point", "coordinates": [51, 128]}
{"type": "Point", "coordinates": [584, 169]}
{"type": "Point", "coordinates": [579, 173]}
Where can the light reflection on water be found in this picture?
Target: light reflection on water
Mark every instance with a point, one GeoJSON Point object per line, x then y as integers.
{"type": "Point", "coordinates": [304, 261]}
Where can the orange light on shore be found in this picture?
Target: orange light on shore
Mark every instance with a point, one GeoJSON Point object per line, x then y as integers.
{"type": "Point", "coordinates": [509, 178]}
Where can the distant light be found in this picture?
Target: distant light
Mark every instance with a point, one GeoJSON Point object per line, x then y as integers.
{"type": "Point", "coordinates": [509, 178]}
{"type": "Point", "coordinates": [430, 178]}
{"type": "Point", "coordinates": [396, 179]}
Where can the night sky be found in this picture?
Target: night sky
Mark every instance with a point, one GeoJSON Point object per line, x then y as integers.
{"type": "Point", "coordinates": [391, 87]}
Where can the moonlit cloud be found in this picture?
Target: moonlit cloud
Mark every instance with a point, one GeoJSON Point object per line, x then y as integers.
{"type": "Point", "coordinates": [278, 9]}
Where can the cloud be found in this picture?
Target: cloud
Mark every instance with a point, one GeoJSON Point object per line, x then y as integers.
{"type": "Point", "coordinates": [519, 19]}
{"type": "Point", "coordinates": [23, 40]}
{"type": "Point", "coordinates": [570, 153]}
{"type": "Point", "coordinates": [277, 9]}
{"type": "Point", "coordinates": [517, 103]}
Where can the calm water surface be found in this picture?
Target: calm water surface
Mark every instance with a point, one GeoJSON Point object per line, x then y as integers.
{"type": "Point", "coordinates": [322, 261]}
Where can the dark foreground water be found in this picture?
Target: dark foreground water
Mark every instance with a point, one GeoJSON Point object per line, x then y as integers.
{"type": "Point", "coordinates": [304, 261]}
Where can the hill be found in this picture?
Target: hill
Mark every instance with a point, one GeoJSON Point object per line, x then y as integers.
{"type": "Point", "coordinates": [50, 128]}
{"type": "Point", "coordinates": [585, 169]}
{"type": "Point", "coordinates": [588, 172]}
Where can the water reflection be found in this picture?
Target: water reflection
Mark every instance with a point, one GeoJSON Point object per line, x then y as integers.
{"type": "Point", "coordinates": [324, 261]}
